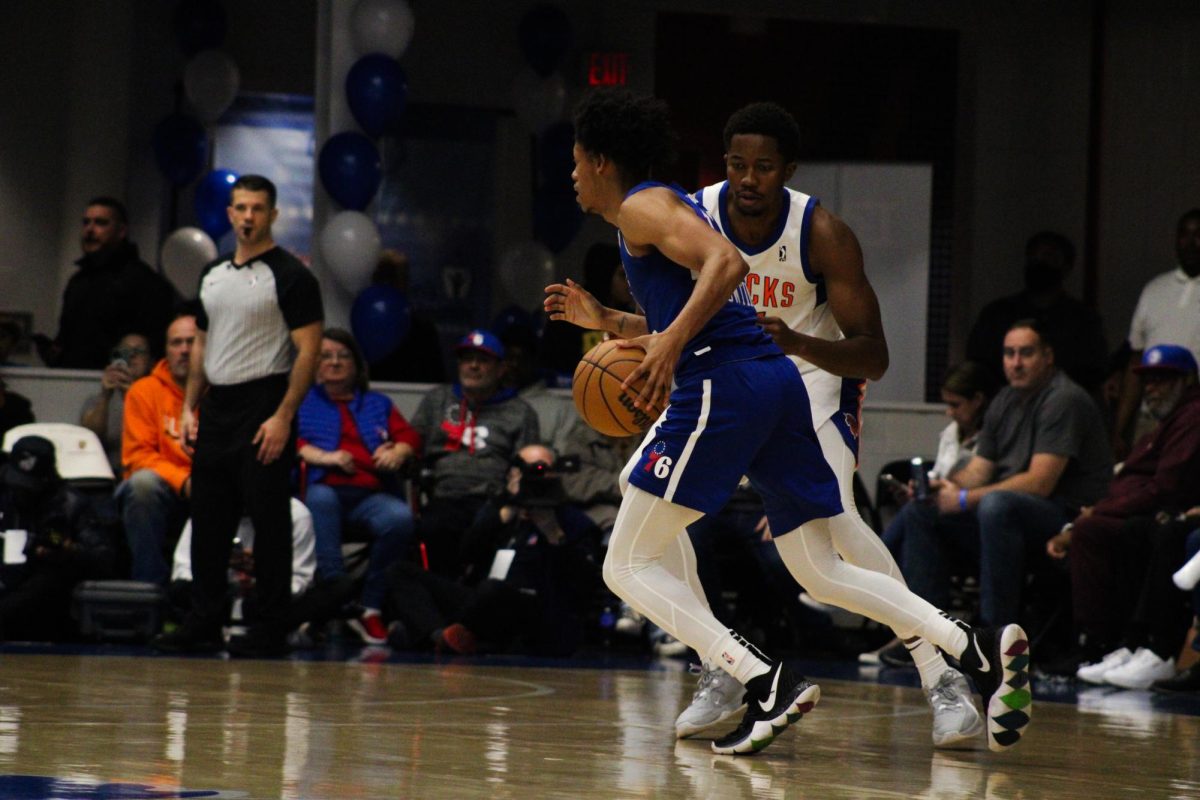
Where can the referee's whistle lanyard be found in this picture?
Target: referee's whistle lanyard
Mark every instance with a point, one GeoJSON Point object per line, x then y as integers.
{"type": "Point", "coordinates": [455, 432]}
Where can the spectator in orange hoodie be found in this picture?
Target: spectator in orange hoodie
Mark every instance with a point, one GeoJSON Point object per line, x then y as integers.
{"type": "Point", "coordinates": [153, 500]}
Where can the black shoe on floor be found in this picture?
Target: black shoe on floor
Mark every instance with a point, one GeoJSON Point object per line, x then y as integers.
{"type": "Point", "coordinates": [773, 702]}
{"type": "Point", "coordinates": [896, 656]}
{"type": "Point", "coordinates": [997, 659]}
{"type": "Point", "coordinates": [189, 638]}
{"type": "Point", "coordinates": [257, 644]}
{"type": "Point", "coordinates": [1186, 681]}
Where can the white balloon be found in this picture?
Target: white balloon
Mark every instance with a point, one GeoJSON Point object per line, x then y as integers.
{"type": "Point", "coordinates": [351, 246]}
{"type": "Point", "coordinates": [526, 269]}
{"type": "Point", "coordinates": [381, 26]}
{"type": "Point", "coordinates": [538, 101]}
{"type": "Point", "coordinates": [210, 81]}
{"type": "Point", "coordinates": [184, 253]}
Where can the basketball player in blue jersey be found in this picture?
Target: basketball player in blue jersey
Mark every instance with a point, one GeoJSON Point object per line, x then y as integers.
{"type": "Point", "coordinates": [736, 407]}
{"type": "Point", "coordinates": [809, 286]}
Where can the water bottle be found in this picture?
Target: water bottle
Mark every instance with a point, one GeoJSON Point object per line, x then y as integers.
{"type": "Point", "coordinates": [920, 479]}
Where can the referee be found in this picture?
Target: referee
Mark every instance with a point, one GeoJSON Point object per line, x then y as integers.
{"type": "Point", "coordinates": [258, 338]}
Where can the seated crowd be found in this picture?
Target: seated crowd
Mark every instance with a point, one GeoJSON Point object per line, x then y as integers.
{"type": "Point", "coordinates": [480, 524]}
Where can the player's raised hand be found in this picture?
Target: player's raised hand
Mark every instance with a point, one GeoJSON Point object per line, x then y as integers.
{"type": "Point", "coordinates": [572, 303]}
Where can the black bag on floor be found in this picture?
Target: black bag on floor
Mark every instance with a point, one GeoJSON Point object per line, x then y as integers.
{"type": "Point", "coordinates": [122, 611]}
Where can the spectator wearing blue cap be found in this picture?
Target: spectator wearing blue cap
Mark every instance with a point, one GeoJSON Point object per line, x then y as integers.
{"type": "Point", "coordinates": [1112, 543]}
{"type": "Point", "coordinates": [472, 430]}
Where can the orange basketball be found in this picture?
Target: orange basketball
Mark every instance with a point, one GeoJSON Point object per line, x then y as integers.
{"type": "Point", "coordinates": [598, 395]}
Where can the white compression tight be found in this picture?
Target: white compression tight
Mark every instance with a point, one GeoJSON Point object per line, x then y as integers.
{"type": "Point", "coordinates": [852, 539]}
{"type": "Point", "coordinates": [647, 526]}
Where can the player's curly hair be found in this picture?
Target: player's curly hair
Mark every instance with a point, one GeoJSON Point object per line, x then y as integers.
{"type": "Point", "coordinates": [766, 119]}
{"type": "Point", "coordinates": [632, 130]}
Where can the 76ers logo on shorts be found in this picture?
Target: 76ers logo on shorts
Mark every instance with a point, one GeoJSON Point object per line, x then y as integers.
{"type": "Point", "coordinates": [656, 462]}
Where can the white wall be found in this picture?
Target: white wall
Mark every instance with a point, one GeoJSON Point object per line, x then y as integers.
{"type": "Point", "coordinates": [80, 93]}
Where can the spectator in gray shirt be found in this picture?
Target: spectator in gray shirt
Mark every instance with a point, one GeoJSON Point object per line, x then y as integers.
{"type": "Point", "coordinates": [1043, 454]}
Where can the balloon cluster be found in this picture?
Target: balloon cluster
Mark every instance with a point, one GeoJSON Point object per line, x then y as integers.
{"type": "Point", "coordinates": [351, 170]}
{"type": "Point", "coordinates": [539, 98]}
{"type": "Point", "coordinates": [181, 146]}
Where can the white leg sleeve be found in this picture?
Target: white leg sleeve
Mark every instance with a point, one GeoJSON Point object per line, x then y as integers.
{"type": "Point", "coordinates": [809, 555]}
{"type": "Point", "coordinates": [646, 527]}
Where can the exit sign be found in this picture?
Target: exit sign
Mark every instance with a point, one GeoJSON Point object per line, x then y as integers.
{"type": "Point", "coordinates": [608, 69]}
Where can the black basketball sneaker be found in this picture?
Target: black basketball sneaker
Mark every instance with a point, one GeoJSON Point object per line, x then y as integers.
{"type": "Point", "coordinates": [774, 701]}
{"type": "Point", "coordinates": [997, 659]}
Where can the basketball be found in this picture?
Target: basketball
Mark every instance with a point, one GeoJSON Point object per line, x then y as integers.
{"type": "Point", "coordinates": [598, 395]}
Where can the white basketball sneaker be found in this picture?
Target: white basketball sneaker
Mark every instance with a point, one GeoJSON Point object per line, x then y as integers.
{"type": "Point", "coordinates": [717, 698]}
{"type": "Point", "coordinates": [955, 718]}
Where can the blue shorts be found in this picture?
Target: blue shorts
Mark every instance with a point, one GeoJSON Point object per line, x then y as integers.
{"type": "Point", "coordinates": [740, 418]}
{"type": "Point", "coordinates": [848, 417]}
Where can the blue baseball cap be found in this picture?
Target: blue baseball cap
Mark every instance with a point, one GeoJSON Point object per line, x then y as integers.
{"type": "Point", "coordinates": [1167, 358]}
{"type": "Point", "coordinates": [483, 341]}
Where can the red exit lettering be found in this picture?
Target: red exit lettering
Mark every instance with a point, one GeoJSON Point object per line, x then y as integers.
{"type": "Point", "coordinates": [608, 69]}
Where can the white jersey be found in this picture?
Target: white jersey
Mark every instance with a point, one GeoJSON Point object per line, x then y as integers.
{"type": "Point", "coordinates": [783, 284]}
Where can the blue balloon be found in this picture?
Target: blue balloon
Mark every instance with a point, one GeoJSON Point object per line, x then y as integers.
{"type": "Point", "coordinates": [377, 92]}
{"type": "Point", "coordinates": [545, 37]}
{"type": "Point", "coordinates": [557, 217]}
{"type": "Point", "coordinates": [212, 200]}
{"type": "Point", "coordinates": [180, 148]}
{"type": "Point", "coordinates": [380, 320]}
{"type": "Point", "coordinates": [350, 169]}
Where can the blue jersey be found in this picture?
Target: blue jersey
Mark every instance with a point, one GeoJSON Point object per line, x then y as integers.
{"type": "Point", "coordinates": [662, 288]}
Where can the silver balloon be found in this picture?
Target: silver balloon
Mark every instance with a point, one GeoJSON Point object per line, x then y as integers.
{"type": "Point", "coordinates": [539, 102]}
{"type": "Point", "coordinates": [184, 253]}
{"type": "Point", "coordinates": [381, 26]}
{"type": "Point", "coordinates": [350, 245]}
{"type": "Point", "coordinates": [525, 271]}
{"type": "Point", "coordinates": [210, 81]}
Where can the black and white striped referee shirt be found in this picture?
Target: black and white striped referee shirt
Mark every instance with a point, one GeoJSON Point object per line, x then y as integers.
{"type": "Point", "coordinates": [248, 312]}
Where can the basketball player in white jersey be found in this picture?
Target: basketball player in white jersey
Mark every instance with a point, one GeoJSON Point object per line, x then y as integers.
{"type": "Point", "coordinates": [725, 405]}
{"type": "Point", "coordinates": [808, 284]}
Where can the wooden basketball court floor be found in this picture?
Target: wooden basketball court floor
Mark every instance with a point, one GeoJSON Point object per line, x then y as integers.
{"type": "Point", "coordinates": [121, 723]}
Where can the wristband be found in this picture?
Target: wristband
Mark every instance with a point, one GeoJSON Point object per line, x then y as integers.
{"type": "Point", "coordinates": [962, 499]}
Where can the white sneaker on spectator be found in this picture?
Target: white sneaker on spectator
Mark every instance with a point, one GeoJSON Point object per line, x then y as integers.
{"type": "Point", "coordinates": [1140, 671]}
{"type": "Point", "coordinates": [1094, 672]}
{"type": "Point", "coordinates": [630, 623]}
{"type": "Point", "coordinates": [871, 657]}
{"type": "Point", "coordinates": [718, 697]}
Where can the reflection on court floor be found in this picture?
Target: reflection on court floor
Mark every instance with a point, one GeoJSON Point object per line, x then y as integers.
{"type": "Point", "coordinates": [95, 726]}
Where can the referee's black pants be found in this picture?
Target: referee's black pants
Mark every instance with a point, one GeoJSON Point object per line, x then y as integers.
{"type": "Point", "coordinates": [228, 481]}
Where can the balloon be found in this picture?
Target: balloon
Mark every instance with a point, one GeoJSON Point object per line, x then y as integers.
{"type": "Point", "coordinates": [538, 101]}
{"type": "Point", "coordinates": [350, 169]}
{"type": "Point", "coordinates": [212, 200]}
{"type": "Point", "coordinates": [199, 25]}
{"type": "Point", "coordinates": [377, 93]}
{"type": "Point", "coordinates": [381, 26]}
{"type": "Point", "coordinates": [380, 320]}
{"type": "Point", "coordinates": [351, 245]}
{"type": "Point", "coordinates": [525, 270]}
{"type": "Point", "coordinates": [557, 217]}
{"type": "Point", "coordinates": [183, 254]}
{"type": "Point", "coordinates": [545, 37]}
{"type": "Point", "coordinates": [210, 81]}
{"type": "Point", "coordinates": [180, 148]}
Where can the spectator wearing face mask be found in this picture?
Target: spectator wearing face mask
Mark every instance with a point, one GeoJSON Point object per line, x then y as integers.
{"type": "Point", "coordinates": [1074, 330]}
